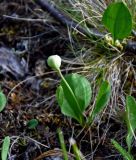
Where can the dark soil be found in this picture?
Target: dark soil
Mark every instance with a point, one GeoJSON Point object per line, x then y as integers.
{"type": "Point", "coordinates": [31, 93]}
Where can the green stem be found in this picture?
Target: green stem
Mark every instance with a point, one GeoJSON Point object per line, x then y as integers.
{"type": "Point", "coordinates": [76, 151]}
{"type": "Point", "coordinates": [62, 143]}
{"type": "Point", "coordinates": [121, 150]}
{"type": "Point", "coordinates": [70, 90]}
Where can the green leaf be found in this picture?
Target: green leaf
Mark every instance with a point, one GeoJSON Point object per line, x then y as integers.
{"type": "Point", "coordinates": [66, 105]}
{"type": "Point", "coordinates": [121, 150]}
{"type": "Point", "coordinates": [130, 120]}
{"type": "Point", "coordinates": [118, 20]}
{"type": "Point", "coordinates": [74, 103]}
{"type": "Point", "coordinates": [5, 148]}
{"type": "Point", "coordinates": [3, 101]}
{"type": "Point", "coordinates": [32, 123]}
{"type": "Point", "coordinates": [101, 100]}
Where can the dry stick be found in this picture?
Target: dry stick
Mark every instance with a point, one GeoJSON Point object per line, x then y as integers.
{"type": "Point", "coordinates": [66, 21]}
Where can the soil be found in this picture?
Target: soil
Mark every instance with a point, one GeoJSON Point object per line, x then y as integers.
{"type": "Point", "coordinates": [31, 35]}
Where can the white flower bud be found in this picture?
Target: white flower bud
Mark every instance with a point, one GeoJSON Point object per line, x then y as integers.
{"type": "Point", "coordinates": [54, 62]}
{"type": "Point", "coordinates": [72, 141]}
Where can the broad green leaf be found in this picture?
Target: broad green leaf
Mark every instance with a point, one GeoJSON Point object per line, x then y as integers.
{"type": "Point", "coordinates": [3, 101]}
{"type": "Point", "coordinates": [131, 119]}
{"type": "Point", "coordinates": [101, 100]}
{"type": "Point", "coordinates": [81, 89]}
{"type": "Point", "coordinates": [67, 106]}
{"type": "Point", "coordinates": [5, 148]}
{"type": "Point", "coordinates": [118, 20]}
{"type": "Point", "coordinates": [122, 151]}
{"type": "Point", "coordinates": [32, 123]}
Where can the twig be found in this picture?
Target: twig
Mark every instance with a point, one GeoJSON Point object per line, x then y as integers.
{"type": "Point", "coordinates": [24, 19]}
{"type": "Point", "coordinates": [66, 21]}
